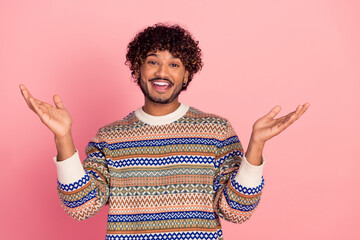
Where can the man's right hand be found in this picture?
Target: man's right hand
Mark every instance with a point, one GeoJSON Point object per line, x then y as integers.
{"type": "Point", "coordinates": [56, 118]}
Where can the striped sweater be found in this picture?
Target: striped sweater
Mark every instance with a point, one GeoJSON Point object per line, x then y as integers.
{"type": "Point", "coordinates": [164, 177]}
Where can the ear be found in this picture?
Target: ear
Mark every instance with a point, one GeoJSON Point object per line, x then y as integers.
{"type": "Point", "coordinates": [186, 76]}
{"type": "Point", "coordinates": [137, 73]}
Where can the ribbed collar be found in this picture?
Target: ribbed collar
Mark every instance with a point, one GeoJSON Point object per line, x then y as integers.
{"type": "Point", "coordinates": [161, 120]}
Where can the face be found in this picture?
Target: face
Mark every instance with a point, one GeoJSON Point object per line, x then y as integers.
{"type": "Point", "coordinates": [162, 77]}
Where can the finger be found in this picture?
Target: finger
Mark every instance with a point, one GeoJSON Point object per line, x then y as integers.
{"type": "Point", "coordinates": [26, 95]}
{"type": "Point", "coordinates": [286, 121]}
{"type": "Point", "coordinates": [273, 112]}
{"type": "Point", "coordinates": [58, 102]}
{"type": "Point", "coordinates": [297, 112]}
{"type": "Point", "coordinates": [38, 108]}
{"type": "Point", "coordinates": [35, 105]}
{"type": "Point", "coordinates": [303, 110]}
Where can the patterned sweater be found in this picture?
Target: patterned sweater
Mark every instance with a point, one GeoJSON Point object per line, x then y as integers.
{"type": "Point", "coordinates": [164, 177]}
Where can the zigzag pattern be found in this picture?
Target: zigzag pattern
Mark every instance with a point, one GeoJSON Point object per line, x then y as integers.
{"type": "Point", "coordinates": [165, 142]}
{"type": "Point", "coordinates": [165, 131]}
{"type": "Point", "coordinates": [160, 226]}
{"type": "Point", "coordinates": [161, 190]}
{"type": "Point", "coordinates": [161, 151]}
{"type": "Point", "coordinates": [148, 172]}
{"type": "Point", "coordinates": [117, 131]}
{"type": "Point", "coordinates": [228, 156]}
{"type": "Point", "coordinates": [84, 211]}
{"type": "Point", "coordinates": [158, 181]}
{"type": "Point", "coordinates": [233, 215]}
{"type": "Point", "coordinates": [80, 202]}
{"type": "Point", "coordinates": [241, 198]}
{"type": "Point", "coordinates": [170, 235]}
{"type": "Point", "coordinates": [163, 182]}
{"type": "Point", "coordinates": [97, 155]}
{"type": "Point", "coordinates": [238, 206]}
{"type": "Point", "coordinates": [162, 200]}
{"type": "Point", "coordinates": [184, 159]}
{"type": "Point", "coordinates": [160, 216]}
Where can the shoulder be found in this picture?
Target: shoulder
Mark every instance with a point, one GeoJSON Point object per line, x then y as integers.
{"type": "Point", "coordinates": [214, 123]}
{"type": "Point", "coordinates": [211, 122]}
{"type": "Point", "coordinates": [199, 115]}
{"type": "Point", "coordinates": [119, 125]}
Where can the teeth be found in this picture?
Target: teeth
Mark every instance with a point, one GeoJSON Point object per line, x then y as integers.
{"type": "Point", "coordinates": [161, 83]}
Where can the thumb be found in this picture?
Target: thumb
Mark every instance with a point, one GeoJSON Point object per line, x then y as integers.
{"type": "Point", "coordinates": [58, 103]}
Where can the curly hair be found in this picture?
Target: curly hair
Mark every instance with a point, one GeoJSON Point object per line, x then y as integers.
{"type": "Point", "coordinates": [161, 37]}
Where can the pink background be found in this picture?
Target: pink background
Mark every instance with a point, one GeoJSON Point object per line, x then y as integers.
{"type": "Point", "coordinates": [257, 54]}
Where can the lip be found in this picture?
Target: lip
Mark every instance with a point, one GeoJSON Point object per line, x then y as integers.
{"type": "Point", "coordinates": [161, 80]}
{"type": "Point", "coordinates": [161, 88]}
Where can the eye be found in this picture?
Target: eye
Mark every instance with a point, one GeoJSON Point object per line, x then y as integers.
{"type": "Point", "coordinates": [152, 62]}
{"type": "Point", "coordinates": [174, 65]}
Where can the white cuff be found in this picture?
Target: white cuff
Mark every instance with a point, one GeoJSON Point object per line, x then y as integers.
{"type": "Point", "coordinates": [69, 170]}
{"type": "Point", "coordinates": [249, 175]}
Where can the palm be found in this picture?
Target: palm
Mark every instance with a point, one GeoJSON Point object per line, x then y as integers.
{"type": "Point", "coordinates": [267, 127]}
{"type": "Point", "coordinates": [56, 118]}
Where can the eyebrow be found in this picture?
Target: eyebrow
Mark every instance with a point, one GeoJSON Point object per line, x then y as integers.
{"type": "Point", "coordinates": [155, 55]}
{"type": "Point", "coordinates": [152, 54]}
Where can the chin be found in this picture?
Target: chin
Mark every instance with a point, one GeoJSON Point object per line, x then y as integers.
{"type": "Point", "coordinates": [159, 100]}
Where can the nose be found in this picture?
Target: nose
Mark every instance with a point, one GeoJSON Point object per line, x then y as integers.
{"type": "Point", "coordinates": [162, 71]}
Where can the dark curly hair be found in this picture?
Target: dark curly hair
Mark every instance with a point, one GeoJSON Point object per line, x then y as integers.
{"type": "Point", "coordinates": [161, 37]}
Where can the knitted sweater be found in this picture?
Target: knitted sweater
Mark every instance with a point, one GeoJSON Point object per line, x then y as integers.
{"type": "Point", "coordinates": [166, 177]}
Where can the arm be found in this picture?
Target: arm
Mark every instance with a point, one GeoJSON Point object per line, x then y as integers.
{"type": "Point", "coordinates": [84, 189]}
{"type": "Point", "coordinates": [237, 184]}
{"type": "Point", "coordinates": [82, 193]}
{"type": "Point", "coordinates": [238, 181]}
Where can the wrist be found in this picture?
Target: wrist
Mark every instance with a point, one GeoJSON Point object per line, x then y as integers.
{"type": "Point", "coordinates": [258, 143]}
{"type": "Point", "coordinates": [63, 137]}
{"type": "Point", "coordinates": [254, 151]}
{"type": "Point", "coordinates": [65, 146]}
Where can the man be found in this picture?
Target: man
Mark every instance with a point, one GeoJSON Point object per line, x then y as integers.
{"type": "Point", "coordinates": [167, 170]}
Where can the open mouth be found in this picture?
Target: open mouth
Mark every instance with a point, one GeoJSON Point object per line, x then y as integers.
{"type": "Point", "coordinates": [161, 85]}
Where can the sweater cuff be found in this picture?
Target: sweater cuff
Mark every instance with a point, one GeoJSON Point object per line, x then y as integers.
{"type": "Point", "coordinates": [248, 175]}
{"type": "Point", "coordinates": [69, 170]}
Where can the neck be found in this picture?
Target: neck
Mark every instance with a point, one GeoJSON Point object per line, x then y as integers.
{"type": "Point", "coordinates": [158, 109]}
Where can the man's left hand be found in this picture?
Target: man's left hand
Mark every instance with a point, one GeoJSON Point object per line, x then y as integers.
{"type": "Point", "coordinates": [268, 127]}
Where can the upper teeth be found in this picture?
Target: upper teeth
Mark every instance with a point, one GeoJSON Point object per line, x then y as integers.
{"type": "Point", "coordinates": [161, 83]}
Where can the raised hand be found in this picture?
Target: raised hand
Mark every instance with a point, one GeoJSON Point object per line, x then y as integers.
{"type": "Point", "coordinates": [56, 118]}
{"type": "Point", "coordinates": [268, 127]}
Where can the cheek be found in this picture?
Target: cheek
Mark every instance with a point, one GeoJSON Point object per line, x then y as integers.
{"type": "Point", "coordinates": [146, 73]}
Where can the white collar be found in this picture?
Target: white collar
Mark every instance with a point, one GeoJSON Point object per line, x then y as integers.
{"type": "Point", "coordinates": [164, 119]}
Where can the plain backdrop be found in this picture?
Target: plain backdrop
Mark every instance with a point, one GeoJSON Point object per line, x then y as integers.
{"type": "Point", "coordinates": [257, 54]}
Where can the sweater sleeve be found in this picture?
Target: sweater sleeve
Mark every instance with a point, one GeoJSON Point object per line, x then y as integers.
{"type": "Point", "coordinates": [238, 184]}
{"type": "Point", "coordinates": [84, 188]}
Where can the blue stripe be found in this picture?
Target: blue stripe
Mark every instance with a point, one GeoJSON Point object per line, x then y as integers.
{"type": "Point", "coordinates": [230, 155]}
{"type": "Point", "coordinates": [246, 190]}
{"type": "Point", "coordinates": [189, 235]}
{"type": "Point", "coordinates": [76, 185]}
{"type": "Point", "coordinates": [166, 142]}
{"type": "Point", "coordinates": [74, 204]}
{"type": "Point", "coordinates": [161, 161]}
{"type": "Point", "coordinates": [161, 216]}
{"type": "Point", "coordinates": [238, 206]}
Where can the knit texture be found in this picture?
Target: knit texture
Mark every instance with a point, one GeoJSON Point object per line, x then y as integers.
{"type": "Point", "coordinates": [170, 181]}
